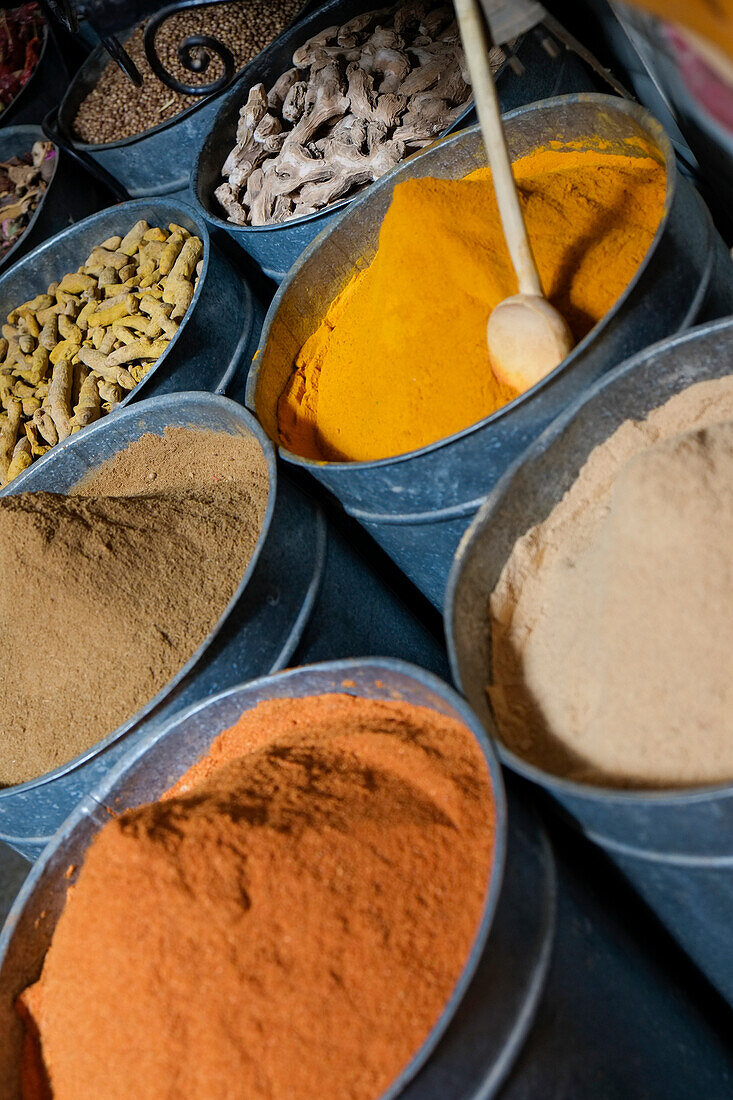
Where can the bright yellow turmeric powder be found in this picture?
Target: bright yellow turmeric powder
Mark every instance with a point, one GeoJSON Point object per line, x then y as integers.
{"type": "Point", "coordinates": [400, 360]}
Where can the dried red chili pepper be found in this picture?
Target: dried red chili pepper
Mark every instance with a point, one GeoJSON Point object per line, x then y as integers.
{"type": "Point", "coordinates": [20, 46]}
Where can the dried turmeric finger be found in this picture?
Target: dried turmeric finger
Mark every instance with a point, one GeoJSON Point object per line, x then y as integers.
{"type": "Point", "coordinates": [30, 404]}
{"type": "Point", "coordinates": [132, 239]}
{"type": "Point", "coordinates": [182, 299]}
{"type": "Point", "coordinates": [111, 244]}
{"type": "Point", "coordinates": [37, 448]}
{"type": "Point", "coordinates": [69, 330]}
{"type": "Point", "coordinates": [112, 372]}
{"type": "Point", "coordinates": [124, 336]}
{"type": "Point", "coordinates": [81, 373]}
{"type": "Point", "coordinates": [173, 228]}
{"type": "Point", "coordinates": [160, 320]}
{"type": "Point", "coordinates": [45, 425]}
{"type": "Point", "coordinates": [108, 277]}
{"type": "Point", "coordinates": [9, 435]}
{"type": "Point", "coordinates": [110, 392]}
{"type": "Point", "coordinates": [28, 323]}
{"type": "Point", "coordinates": [108, 341]}
{"type": "Point", "coordinates": [73, 283]}
{"type": "Point", "coordinates": [66, 349]}
{"type": "Point", "coordinates": [152, 250]}
{"type": "Point", "coordinates": [140, 349]}
{"type": "Point", "coordinates": [49, 334]}
{"type": "Point", "coordinates": [169, 255]}
{"type": "Point", "coordinates": [137, 321]}
{"type": "Point", "coordinates": [6, 389]}
{"type": "Point", "coordinates": [186, 260]}
{"type": "Point", "coordinates": [95, 360]}
{"type": "Point", "coordinates": [21, 459]}
{"type": "Point", "coordinates": [109, 312]}
{"type": "Point", "coordinates": [125, 379]}
{"type": "Point", "coordinates": [58, 403]}
{"type": "Point", "coordinates": [87, 310]}
{"type": "Point", "coordinates": [89, 407]}
{"type": "Point", "coordinates": [41, 301]}
{"type": "Point", "coordinates": [45, 315]}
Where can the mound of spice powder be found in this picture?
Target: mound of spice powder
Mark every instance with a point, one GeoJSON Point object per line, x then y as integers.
{"type": "Point", "coordinates": [287, 923]}
{"type": "Point", "coordinates": [107, 595]}
{"type": "Point", "coordinates": [400, 359]}
{"type": "Point", "coordinates": [612, 621]}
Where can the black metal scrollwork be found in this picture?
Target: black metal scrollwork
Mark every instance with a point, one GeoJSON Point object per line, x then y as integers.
{"type": "Point", "coordinates": [194, 53]}
{"type": "Point", "coordinates": [64, 11]}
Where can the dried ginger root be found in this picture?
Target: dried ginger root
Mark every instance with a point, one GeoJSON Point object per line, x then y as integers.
{"type": "Point", "coordinates": [358, 100]}
{"type": "Point", "coordinates": [71, 355]}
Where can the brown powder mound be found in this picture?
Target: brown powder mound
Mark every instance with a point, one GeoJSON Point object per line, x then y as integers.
{"type": "Point", "coordinates": [107, 597]}
{"type": "Point", "coordinates": [613, 620]}
{"type": "Point", "coordinates": [183, 458]}
{"type": "Point", "coordinates": [290, 927]}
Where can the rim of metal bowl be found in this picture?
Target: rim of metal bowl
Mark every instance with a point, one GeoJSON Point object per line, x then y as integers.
{"type": "Point", "coordinates": [502, 489]}
{"type": "Point", "coordinates": [111, 213]}
{"type": "Point", "coordinates": [611, 103]}
{"type": "Point", "coordinates": [174, 401]}
{"type": "Point", "coordinates": [284, 679]}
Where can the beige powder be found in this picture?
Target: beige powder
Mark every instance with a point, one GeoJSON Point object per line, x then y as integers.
{"type": "Point", "coordinates": [105, 597]}
{"type": "Point", "coordinates": [612, 621]}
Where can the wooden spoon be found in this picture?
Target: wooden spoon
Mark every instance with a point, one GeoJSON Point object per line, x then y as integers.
{"type": "Point", "coordinates": [526, 335]}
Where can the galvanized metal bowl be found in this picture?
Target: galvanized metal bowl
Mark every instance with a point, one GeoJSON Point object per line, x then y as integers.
{"type": "Point", "coordinates": [31, 812]}
{"type": "Point", "coordinates": [44, 88]}
{"type": "Point", "coordinates": [157, 762]}
{"type": "Point", "coordinates": [220, 326]}
{"type": "Point", "coordinates": [154, 162]}
{"type": "Point", "coordinates": [417, 505]}
{"type": "Point", "coordinates": [676, 847]}
{"type": "Point", "coordinates": [69, 196]}
{"type": "Point", "coordinates": [532, 70]}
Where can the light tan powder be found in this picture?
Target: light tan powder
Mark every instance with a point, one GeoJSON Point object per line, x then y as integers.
{"type": "Point", "coordinates": [105, 597]}
{"type": "Point", "coordinates": [612, 621]}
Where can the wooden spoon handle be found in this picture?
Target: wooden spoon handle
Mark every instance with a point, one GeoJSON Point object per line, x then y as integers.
{"type": "Point", "coordinates": [476, 49]}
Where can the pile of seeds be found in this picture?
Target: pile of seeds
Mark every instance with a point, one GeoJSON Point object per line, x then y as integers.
{"type": "Point", "coordinates": [116, 108]}
{"type": "Point", "coordinates": [71, 355]}
{"type": "Point", "coordinates": [23, 182]}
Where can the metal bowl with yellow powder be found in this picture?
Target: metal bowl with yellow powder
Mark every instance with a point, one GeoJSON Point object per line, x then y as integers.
{"type": "Point", "coordinates": [438, 450]}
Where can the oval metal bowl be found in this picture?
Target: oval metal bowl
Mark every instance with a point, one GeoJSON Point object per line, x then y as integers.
{"type": "Point", "coordinates": [154, 162]}
{"type": "Point", "coordinates": [36, 808]}
{"type": "Point", "coordinates": [676, 847]}
{"type": "Point", "coordinates": [531, 71]}
{"type": "Point", "coordinates": [417, 505]}
{"type": "Point", "coordinates": [144, 774]}
{"type": "Point", "coordinates": [69, 196]}
{"type": "Point", "coordinates": [220, 325]}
